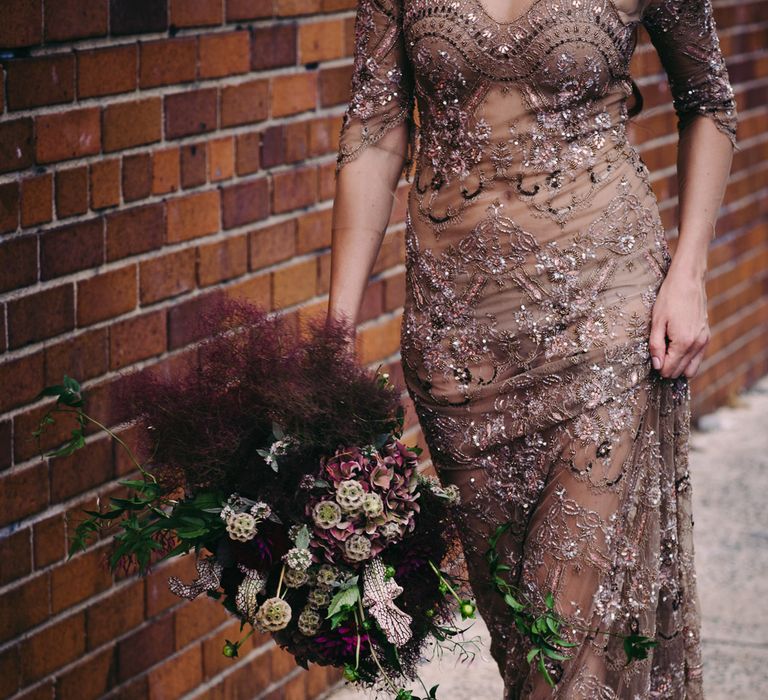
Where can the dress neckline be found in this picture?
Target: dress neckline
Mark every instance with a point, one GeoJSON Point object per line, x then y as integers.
{"type": "Point", "coordinates": [519, 19]}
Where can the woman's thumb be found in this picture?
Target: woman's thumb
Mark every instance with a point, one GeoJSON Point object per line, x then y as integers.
{"type": "Point", "coordinates": [657, 343]}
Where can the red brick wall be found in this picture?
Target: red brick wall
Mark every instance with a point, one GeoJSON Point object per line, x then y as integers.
{"type": "Point", "coordinates": [153, 152]}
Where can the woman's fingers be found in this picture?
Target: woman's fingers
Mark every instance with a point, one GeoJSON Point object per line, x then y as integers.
{"type": "Point", "coordinates": [693, 365]}
{"type": "Point", "coordinates": [682, 351]}
{"type": "Point", "coordinates": [657, 342]}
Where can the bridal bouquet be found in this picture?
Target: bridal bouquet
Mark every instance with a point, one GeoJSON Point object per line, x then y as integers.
{"type": "Point", "coordinates": [279, 460]}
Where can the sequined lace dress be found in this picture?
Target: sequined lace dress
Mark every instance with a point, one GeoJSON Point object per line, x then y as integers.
{"type": "Point", "coordinates": [534, 252]}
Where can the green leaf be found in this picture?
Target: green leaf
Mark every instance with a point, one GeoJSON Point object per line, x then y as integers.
{"type": "Point", "coordinates": [550, 601]}
{"type": "Point", "coordinates": [512, 602]}
{"type": "Point", "coordinates": [303, 537]}
{"type": "Point", "coordinates": [346, 596]}
{"type": "Point", "coordinates": [532, 654]}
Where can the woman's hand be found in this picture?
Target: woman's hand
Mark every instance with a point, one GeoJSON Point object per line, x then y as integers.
{"type": "Point", "coordinates": [679, 316]}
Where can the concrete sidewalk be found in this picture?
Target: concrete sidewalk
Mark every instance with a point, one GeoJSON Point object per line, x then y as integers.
{"type": "Point", "coordinates": [729, 468]}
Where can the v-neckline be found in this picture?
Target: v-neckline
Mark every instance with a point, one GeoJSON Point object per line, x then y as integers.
{"type": "Point", "coordinates": [525, 13]}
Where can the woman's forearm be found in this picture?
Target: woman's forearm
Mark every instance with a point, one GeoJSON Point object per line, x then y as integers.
{"type": "Point", "coordinates": [365, 190]}
{"type": "Point", "coordinates": [703, 165]}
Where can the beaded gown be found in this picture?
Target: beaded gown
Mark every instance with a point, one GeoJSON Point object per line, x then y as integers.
{"type": "Point", "coordinates": [534, 252]}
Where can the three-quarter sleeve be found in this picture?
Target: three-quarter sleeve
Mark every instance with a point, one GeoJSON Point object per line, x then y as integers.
{"type": "Point", "coordinates": [382, 82]}
{"type": "Point", "coordinates": [685, 37]}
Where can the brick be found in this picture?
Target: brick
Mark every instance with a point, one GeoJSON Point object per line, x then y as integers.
{"type": "Point", "coordinates": [16, 555]}
{"type": "Point", "coordinates": [71, 248]}
{"type": "Point", "coordinates": [137, 339]}
{"type": "Point", "coordinates": [167, 276]}
{"type": "Point", "coordinates": [394, 292]}
{"type": "Point", "coordinates": [25, 375]}
{"type": "Point", "coordinates": [196, 618]}
{"type": "Point", "coordinates": [158, 595]}
{"type": "Point", "coordinates": [222, 260]}
{"type": "Point", "coordinates": [136, 230]}
{"type": "Point", "coordinates": [166, 170]}
{"type": "Point", "coordinates": [90, 679]}
{"type": "Point", "coordinates": [23, 492]}
{"type": "Point", "coordinates": [138, 16]}
{"type": "Point", "coordinates": [323, 273]}
{"type": "Point", "coordinates": [294, 189]}
{"type": "Point", "coordinates": [255, 290]}
{"type": "Point", "coordinates": [314, 231]}
{"type": "Point", "coordinates": [65, 135]}
{"type": "Point", "coordinates": [192, 216]}
{"type": "Point", "coordinates": [248, 9]}
{"type": "Point", "coordinates": [40, 315]}
{"type": "Point", "coordinates": [273, 146]}
{"type": "Point", "coordinates": [193, 112]}
{"type": "Point", "coordinates": [76, 473]}
{"type": "Point", "coordinates": [378, 341]}
{"type": "Point", "coordinates": [10, 671]}
{"type": "Point", "coordinates": [83, 356]}
{"type": "Point", "coordinates": [293, 93]}
{"type": "Point", "coordinates": [323, 136]}
{"type": "Point", "coordinates": [79, 578]}
{"type": "Point", "coordinates": [49, 541]}
{"type": "Point", "coordinates": [108, 71]}
{"type": "Point", "coordinates": [36, 200]}
{"type": "Point", "coordinates": [221, 159]}
{"type": "Point", "coordinates": [111, 617]}
{"type": "Point", "coordinates": [334, 85]}
{"type": "Point", "coordinates": [137, 176]}
{"type": "Point", "coordinates": [34, 82]}
{"type": "Point", "coordinates": [105, 183]}
{"type": "Point", "coordinates": [245, 103]}
{"type": "Point", "coordinates": [245, 202]}
{"type": "Point", "coordinates": [272, 244]}
{"type": "Point", "coordinates": [321, 41]}
{"type": "Point", "coordinates": [177, 676]}
{"type": "Point", "coordinates": [71, 192]}
{"type": "Point", "coordinates": [16, 148]}
{"type": "Point", "coordinates": [71, 19]}
{"type": "Point", "coordinates": [168, 62]}
{"type": "Point", "coordinates": [24, 606]}
{"type": "Point", "coordinates": [184, 319]}
{"type": "Point", "coordinates": [196, 14]}
{"type": "Point", "coordinates": [53, 647]}
{"type": "Point", "coordinates": [373, 302]}
{"type": "Point", "coordinates": [44, 691]}
{"type": "Point", "coordinates": [296, 141]}
{"type": "Point", "coordinates": [18, 262]}
{"type": "Point", "coordinates": [6, 450]}
{"type": "Point", "coordinates": [145, 647]}
{"type": "Point", "coordinates": [106, 295]}
{"type": "Point", "coordinates": [247, 153]}
{"type": "Point", "coordinates": [9, 207]}
{"type": "Point", "coordinates": [274, 46]}
{"type": "Point", "coordinates": [193, 164]}
{"type": "Point", "coordinates": [128, 124]}
{"type": "Point", "coordinates": [22, 23]}
{"type": "Point", "coordinates": [224, 53]}
{"type": "Point", "coordinates": [294, 283]}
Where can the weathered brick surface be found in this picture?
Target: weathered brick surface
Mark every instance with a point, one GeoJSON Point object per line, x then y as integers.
{"type": "Point", "coordinates": [153, 158]}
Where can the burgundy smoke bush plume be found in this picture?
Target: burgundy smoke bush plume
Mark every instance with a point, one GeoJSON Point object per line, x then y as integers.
{"type": "Point", "coordinates": [255, 368]}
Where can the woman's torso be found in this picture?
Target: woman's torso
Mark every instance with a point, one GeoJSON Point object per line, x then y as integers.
{"type": "Point", "coordinates": [533, 238]}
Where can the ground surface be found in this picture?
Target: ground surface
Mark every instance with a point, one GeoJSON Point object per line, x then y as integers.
{"type": "Point", "coordinates": [729, 466]}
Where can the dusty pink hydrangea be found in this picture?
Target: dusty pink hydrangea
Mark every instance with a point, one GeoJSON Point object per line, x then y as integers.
{"type": "Point", "coordinates": [377, 494]}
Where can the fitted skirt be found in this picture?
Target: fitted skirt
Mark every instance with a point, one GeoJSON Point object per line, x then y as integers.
{"type": "Point", "coordinates": [525, 351]}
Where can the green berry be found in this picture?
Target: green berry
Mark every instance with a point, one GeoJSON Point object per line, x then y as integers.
{"type": "Point", "coordinates": [389, 572]}
{"type": "Point", "coordinates": [467, 609]}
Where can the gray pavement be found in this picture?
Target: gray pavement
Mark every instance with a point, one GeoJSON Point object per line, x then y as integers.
{"type": "Point", "coordinates": [729, 468]}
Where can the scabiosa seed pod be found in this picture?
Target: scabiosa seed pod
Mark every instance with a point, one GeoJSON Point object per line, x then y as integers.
{"type": "Point", "coordinates": [273, 615]}
{"type": "Point", "coordinates": [241, 527]}
{"type": "Point", "coordinates": [327, 575]}
{"type": "Point", "coordinates": [326, 514]}
{"type": "Point", "coordinates": [318, 598]}
{"type": "Point", "coordinates": [309, 621]}
{"type": "Point", "coordinates": [357, 548]}
{"type": "Point", "coordinates": [350, 495]}
{"type": "Point", "coordinates": [295, 578]}
{"type": "Point", "coordinates": [373, 506]}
